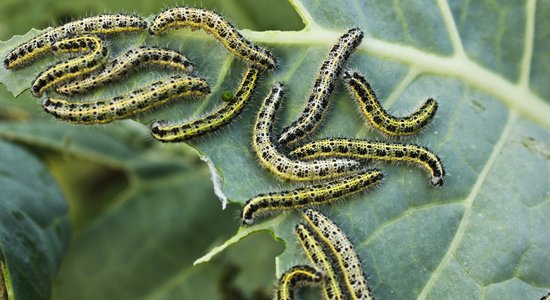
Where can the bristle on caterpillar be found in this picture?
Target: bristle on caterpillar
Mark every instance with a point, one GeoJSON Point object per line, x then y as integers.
{"type": "Point", "coordinates": [361, 149]}
{"type": "Point", "coordinates": [121, 107]}
{"type": "Point", "coordinates": [272, 159]}
{"type": "Point", "coordinates": [122, 65]}
{"type": "Point", "coordinates": [219, 27]}
{"type": "Point", "coordinates": [309, 196]}
{"type": "Point", "coordinates": [29, 51]}
{"type": "Point", "coordinates": [177, 132]}
{"type": "Point", "coordinates": [318, 101]}
{"type": "Point", "coordinates": [382, 120]}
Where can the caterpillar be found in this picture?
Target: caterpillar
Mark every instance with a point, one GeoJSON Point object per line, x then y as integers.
{"type": "Point", "coordinates": [379, 118]}
{"type": "Point", "coordinates": [120, 107]}
{"type": "Point", "coordinates": [317, 256]}
{"type": "Point", "coordinates": [279, 164]}
{"type": "Point", "coordinates": [547, 297]}
{"type": "Point", "coordinates": [219, 27]}
{"type": "Point", "coordinates": [318, 101]}
{"type": "Point", "coordinates": [343, 252]}
{"type": "Point", "coordinates": [360, 149]}
{"type": "Point", "coordinates": [295, 277]}
{"type": "Point", "coordinates": [74, 67]}
{"type": "Point", "coordinates": [29, 51]}
{"type": "Point", "coordinates": [176, 132]}
{"type": "Point", "coordinates": [310, 195]}
{"type": "Point", "coordinates": [123, 64]}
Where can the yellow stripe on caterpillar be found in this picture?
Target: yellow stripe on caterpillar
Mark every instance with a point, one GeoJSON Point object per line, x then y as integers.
{"type": "Point", "coordinates": [272, 159]}
{"type": "Point", "coordinates": [41, 44]}
{"type": "Point", "coordinates": [295, 277]}
{"type": "Point", "coordinates": [379, 118]}
{"type": "Point", "coordinates": [343, 251]}
{"type": "Point", "coordinates": [177, 132]}
{"type": "Point", "coordinates": [123, 64]}
{"type": "Point", "coordinates": [309, 196]}
{"type": "Point", "coordinates": [361, 149]}
{"type": "Point", "coordinates": [219, 27]}
{"type": "Point", "coordinates": [72, 68]}
{"type": "Point", "coordinates": [121, 107]}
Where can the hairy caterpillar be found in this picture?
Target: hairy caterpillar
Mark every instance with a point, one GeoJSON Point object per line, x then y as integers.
{"type": "Point", "coordinates": [39, 45]}
{"type": "Point", "coordinates": [310, 195]}
{"type": "Point", "coordinates": [279, 164]}
{"type": "Point", "coordinates": [379, 118]}
{"type": "Point", "coordinates": [219, 27]}
{"type": "Point", "coordinates": [318, 101]}
{"type": "Point", "coordinates": [295, 277]}
{"type": "Point", "coordinates": [123, 64]}
{"type": "Point", "coordinates": [176, 132]}
{"type": "Point", "coordinates": [120, 107]}
{"type": "Point", "coordinates": [317, 256]}
{"type": "Point", "coordinates": [343, 252]}
{"type": "Point", "coordinates": [74, 67]}
{"type": "Point", "coordinates": [360, 149]}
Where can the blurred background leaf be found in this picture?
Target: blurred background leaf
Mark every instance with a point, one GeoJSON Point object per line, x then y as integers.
{"type": "Point", "coordinates": [34, 226]}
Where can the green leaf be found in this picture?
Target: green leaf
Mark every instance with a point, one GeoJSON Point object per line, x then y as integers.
{"type": "Point", "coordinates": [34, 227]}
{"type": "Point", "coordinates": [484, 233]}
